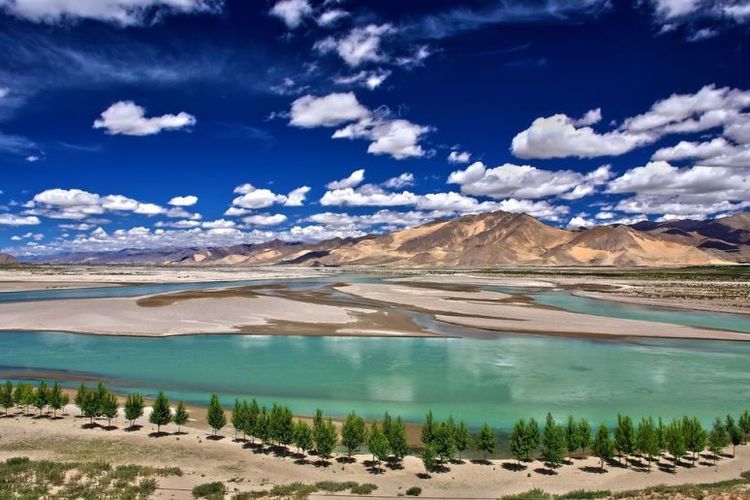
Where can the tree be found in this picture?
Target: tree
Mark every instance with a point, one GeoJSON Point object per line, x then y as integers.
{"type": "Point", "coordinates": [80, 396]}
{"type": "Point", "coordinates": [6, 396]}
{"type": "Point", "coordinates": [744, 423]}
{"type": "Point", "coordinates": [24, 395]}
{"type": "Point", "coordinates": [520, 441]}
{"type": "Point", "coordinates": [215, 416]}
{"type": "Point", "coordinates": [282, 424]}
{"type": "Point", "coordinates": [303, 436]}
{"type": "Point", "coordinates": [263, 426]}
{"type": "Point", "coordinates": [572, 435]}
{"type": "Point", "coordinates": [486, 440]}
{"type": "Point", "coordinates": [444, 440]}
{"type": "Point", "coordinates": [237, 416]}
{"type": "Point", "coordinates": [41, 396]}
{"type": "Point", "coordinates": [428, 429]}
{"type": "Point", "coordinates": [648, 439]}
{"type": "Point", "coordinates": [160, 412]}
{"type": "Point", "coordinates": [428, 458]}
{"type": "Point", "coordinates": [109, 407]}
{"type": "Point", "coordinates": [397, 439]}
{"type": "Point", "coordinates": [584, 434]}
{"type": "Point", "coordinates": [325, 438]}
{"type": "Point", "coordinates": [535, 435]}
{"type": "Point", "coordinates": [134, 406]}
{"type": "Point", "coordinates": [717, 439]}
{"type": "Point", "coordinates": [64, 401]}
{"type": "Point", "coordinates": [675, 440]}
{"type": "Point", "coordinates": [55, 399]}
{"type": "Point", "coordinates": [181, 416]}
{"type": "Point", "coordinates": [734, 433]}
{"type": "Point", "coordinates": [661, 438]}
{"type": "Point", "coordinates": [354, 433]}
{"type": "Point", "coordinates": [377, 443]}
{"type": "Point", "coordinates": [695, 436]}
{"type": "Point", "coordinates": [554, 447]}
{"type": "Point", "coordinates": [251, 419]}
{"type": "Point", "coordinates": [624, 436]}
{"type": "Point", "coordinates": [602, 446]}
{"type": "Point", "coordinates": [462, 438]}
{"type": "Point", "coordinates": [91, 405]}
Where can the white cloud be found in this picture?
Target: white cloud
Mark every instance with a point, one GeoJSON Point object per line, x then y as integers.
{"type": "Point", "coordinates": [127, 118]}
{"type": "Point", "coordinates": [4, 92]}
{"type": "Point", "coordinates": [265, 219]}
{"type": "Point", "coordinates": [183, 201]}
{"type": "Point", "coordinates": [122, 12]}
{"type": "Point", "coordinates": [398, 138]}
{"type": "Point", "coordinates": [403, 180]}
{"type": "Point", "coordinates": [675, 8]}
{"type": "Point", "coordinates": [354, 179]}
{"type": "Point", "coordinates": [459, 157]}
{"type": "Point", "coordinates": [327, 111]}
{"type": "Point", "coordinates": [292, 12]}
{"type": "Point", "coordinates": [369, 79]}
{"type": "Point", "coordinates": [372, 196]}
{"type": "Point", "coordinates": [524, 181]}
{"type": "Point", "coordinates": [32, 158]}
{"type": "Point", "coordinates": [331, 17]}
{"type": "Point", "coordinates": [28, 236]}
{"type": "Point", "coordinates": [218, 224]}
{"type": "Point", "coordinates": [253, 198]}
{"type": "Point", "coordinates": [317, 233]}
{"type": "Point", "coordinates": [361, 45]}
{"type": "Point", "coordinates": [16, 220]}
{"type": "Point", "coordinates": [296, 197]}
{"type": "Point", "coordinates": [592, 117]}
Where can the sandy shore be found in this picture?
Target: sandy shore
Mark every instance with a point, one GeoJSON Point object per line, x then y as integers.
{"type": "Point", "coordinates": [246, 469]}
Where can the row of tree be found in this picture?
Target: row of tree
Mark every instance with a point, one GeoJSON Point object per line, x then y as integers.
{"type": "Point", "coordinates": [25, 395]}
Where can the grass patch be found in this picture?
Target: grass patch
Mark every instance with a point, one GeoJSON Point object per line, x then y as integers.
{"type": "Point", "coordinates": [303, 490]}
{"type": "Point", "coordinates": [584, 494]}
{"type": "Point", "coordinates": [535, 494]}
{"type": "Point", "coordinates": [363, 489]}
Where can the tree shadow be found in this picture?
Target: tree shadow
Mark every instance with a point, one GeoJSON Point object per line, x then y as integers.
{"type": "Point", "coordinates": [441, 469]}
{"type": "Point", "coordinates": [423, 475]}
{"type": "Point", "coordinates": [481, 461]}
{"type": "Point", "coordinates": [57, 417]}
{"type": "Point", "coordinates": [592, 469]}
{"type": "Point", "coordinates": [110, 428]}
{"type": "Point", "coordinates": [90, 425]}
{"type": "Point", "coordinates": [669, 469]}
{"type": "Point", "coordinates": [346, 460]}
{"type": "Point", "coordinates": [40, 417]}
{"type": "Point", "coordinates": [158, 434]}
{"type": "Point", "coordinates": [616, 463]}
{"type": "Point", "coordinates": [706, 463]}
{"type": "Point", "coordinates": [545, 471]}
{"type": "Point", "coordinates": [394, 464]}
{"type": "Point", "coordinates": [215, 437]}
{"type": "Point", "coordinates": [301, 459]}
{"type": "Point", "coordinates": [513, 466]}
{"type": "Point", "coordinates": [322, 463]}
{"type": "Point", "coordinates": [133, 428]}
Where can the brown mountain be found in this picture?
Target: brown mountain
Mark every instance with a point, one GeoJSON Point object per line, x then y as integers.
{"type": "Point", "coordinates": [6, 259]}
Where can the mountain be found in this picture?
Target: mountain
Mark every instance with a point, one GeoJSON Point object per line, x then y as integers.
{"type": "Point", "coordinates": [473, 241]}
{"type": "Point", "coordinates": [6, 259]}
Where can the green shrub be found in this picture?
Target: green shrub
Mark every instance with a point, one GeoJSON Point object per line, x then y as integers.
{"type": "Point", "coordinates": [17, 460]}
{"type": "Point", "coordinates": [334, 487]}
{"type": "Point", "coordinates": [535, 494]}
{"type": "Point", "coordinates": [414, 491]}
{"type": "Point", "coordinates": [363, 489]}
{"type": "Point", "coordinates": [584, 494]}
{"type": "Point", "coordinates": [207, 489]}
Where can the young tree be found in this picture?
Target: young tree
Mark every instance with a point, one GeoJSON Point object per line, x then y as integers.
{"type": "Point", "coordinates": [354, 433]}
{"type": "Point", "coordinates": [303, 436]}
{"type": "Point", "coordinates": [263, 426]}
{"type": "Point", "coordinates": [282, 425]}
{"type": "Point", "coordinates": [717, 439]}
{"type": "Point", "coordinates": [160, 412]}
{"type": "Point", "coordinates": [572, 436]}
{"type": "Point", "coordinates": [64, 401]}
{"type": "Point", "coordinates": [237, 416]}
{"type": "Point", "coordinates": [428, 429]}
{"type": "Point", "coordinates": [462, 438]}
{"type": "Point", "coordinates": [387, 425]}
{"type": "Point", "coordinates": [378, 444]}
{"type": "Point", "coordinates": [109, 407]}
{"type": "Point", "coordinates": [428, 458]}
{"type": "Point", "coordinates": [251, 419]}
{"type": "Point", "coordinates": [647, 439]}
{"type": "Point", "coordinates": [486, 440]}
{"type": "Point", "coordinates": [444, 440]}
{"type": "Point", "coordinates": [55, 400]}
{"type": "Point", "coordinates": [695, 436]}
{"type": "Point", "coordinates": [584, 434]}
{"type": "Point", "coordinates": [675, 440]}
{"type": "Point", "coordinates": [602, 446]}
{"type": "Point", "coordinates": [134, 406]}
{"type": "Point", "coordinates": [181, 416]}
{"type": "Point", "coordinates": [734, 433]}
{"type": "Point", "coordinates": [397, 439]}
{"type": "Point", "coordinates": [661, 438]}
{"type": "Point", "coordinates": [554, 447]}
{"type": "Point", "coordinates": [325, 438]}
{"type": "Point", "coordinates": [624, 436]}
{"type": "Point", "coordinates": [91, 405]}
{"type": "Point", "coordinates": [216, 418]}
{"type": "Point", "coordinates": [744, 423]}
{"type": "Point", "coordinates": [80, 396]}
{"type": "Point", "coordinates": [24, 396]}
{"type": "Point", "coordinates": [6, 396]}
{"type": "Point", "coordinates": [520, 441]}
{"type": "Point", "coordinates": [41, 396]}
{"type": "Point", "coordinates": [535, 435]}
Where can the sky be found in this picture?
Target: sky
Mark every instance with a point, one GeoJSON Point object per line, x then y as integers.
{"type": "Point", "coordinates": [191, 123]}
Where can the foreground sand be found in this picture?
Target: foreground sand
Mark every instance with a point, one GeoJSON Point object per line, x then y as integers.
{"type": "Point", "coordinates": [245, 469]}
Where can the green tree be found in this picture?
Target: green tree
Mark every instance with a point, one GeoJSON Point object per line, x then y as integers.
{"type": "Point", "coordinates": [444, 440]}
{"type": "Point", "coordinates": [80, 396]}
{"type": "Point", "coordinates": [303, 436]}
{"type": "Point", "coordinates": [215, 416]}
{"type": "Point", "coordinates": [251, 419]}
{"type": "Point", "coordinates": [397, 439]}
{"type": "Point", "coordinates": [535, 435]}
{"type": "Point", "coordinates": [160, 412]}
{"type": "Point", "coordinates": [520, 441]}
{"type": "Point", "coordinates": [24, 395]}
{"type": "Point", "coordinates": [238, 416]}
{"type": "Point", "coordinates": [734, 433]}
{"type": "Point", "coordinates": [695, 436]}
{"type": "Point", "coordinates": [428, 429]}
{"type": "Point", "coordinates": [181, 416]}
{"type": "Point", "coordinates": [64, 401]}
{"type": "Point", "coordinates": [661, 438]}
{"type": "Point", "coordinates": [41, 396]}
{"type": "Point", "coordinates": [675, 440]}
{"type": "Point", "coordinates": [572, 436]}
{"type": "Point", "coordinates": [624, 436]}
{"type": "Point", "coordinates": [462, 438]}
{"type": "Point", "coordinates": [109, 407]}
{"type": "Point", "coordinates": [55, 399]}
{"type": "Point", "coordinates": [134, 406]}
{"type": "Point", "coordinates": [282, 424]}
{"type": "Point", "coordinates": [486, 440]}
{"type": "Point", "coordinates": [429, 458]}
{"type": "Point", "coordinates": [377, 444]}
{"type": "Point", "coordinates": [744, 424]}
{"type": "Point", "coordinates": [91, 405]}
{"type": "Point", "coordinates": [584, 434]}
{"type": "Point", "coordinates": [647, 439]}
{"type": "Point", "coordinates": [555, 444]}
{"type": "Point", "coordinates": [6, 396]}
{"type": "Point", "coordinates": [263, 426]}
{"type": "Point", "coordinates": [602, 446]}
{"type": "Point", "coordinates": [717, 439]}
{"type": "Point", "coordinates": [325, 438]}
{"type": "Point", "coordinates": [353, 433]}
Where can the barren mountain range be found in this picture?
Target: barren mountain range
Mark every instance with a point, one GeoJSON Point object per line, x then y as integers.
{"type": "Point", "coordinates": [482, 240]}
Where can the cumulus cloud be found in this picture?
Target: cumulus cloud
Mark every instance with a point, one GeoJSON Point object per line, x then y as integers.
{"type": "Point", "coordinates": [361, 45]}
{"type": "Point", "coordinates": [331, 17]}
{"type": "Point", "coordinates": [18, 220]}
{"type": "Point", "coordinates": [291, 12]}
{"type": "Point", "coordinates": [264, 219]}
{"type": "Point", "coordinates": [326, 111]}
{"type": "Point", "coordinates": [127, 118]}
{"type": "Point", "coordinates": [369, 79]}
{"type": "Point", "coordinates": [459, 157]}
{"type": "Point", "coordinates": [400, 181]}
{"type": "Point", "coordinates": [579, 222]}
{"type": "Point", "coordinates": [122, 12]}
{"type": "Point", "coordinates": [372, 196]}
{"type": "Point", "coordinates": [354, 179]}
{"type": "Point", "coordinates": [183, 201]}
{"type": "Point", "coordinates": [252, 198]}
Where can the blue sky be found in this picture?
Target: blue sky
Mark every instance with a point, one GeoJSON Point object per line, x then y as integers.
{"type": "Point", "coordinates": [152, 123]}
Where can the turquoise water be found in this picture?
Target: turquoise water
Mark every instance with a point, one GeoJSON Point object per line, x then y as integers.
{"type": "Point", "coordinates": [496, 380]}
